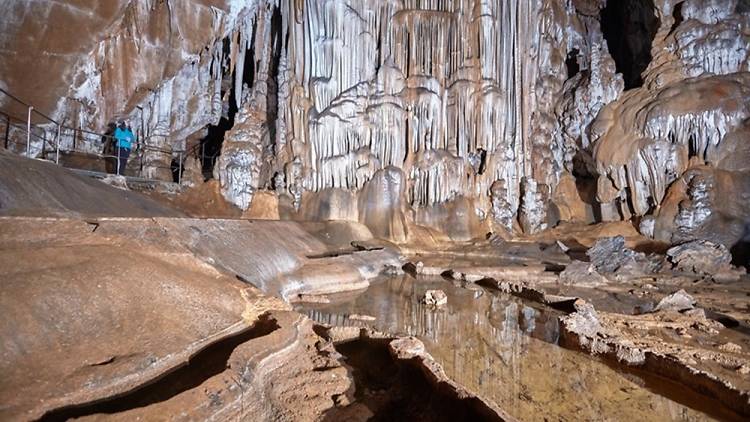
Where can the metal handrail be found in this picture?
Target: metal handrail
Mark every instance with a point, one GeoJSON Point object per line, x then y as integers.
{"type": "Point", "coordinates": [143, 146]}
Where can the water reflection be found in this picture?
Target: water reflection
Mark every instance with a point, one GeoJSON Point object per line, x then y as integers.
{"type": "Point", "coordinates": [505, 350]}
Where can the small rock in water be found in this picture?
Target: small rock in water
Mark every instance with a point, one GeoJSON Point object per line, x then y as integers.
{"type": "Point", "coordinates": [358, 317]}
{"type": "Point", "coordinates": [610, 256]}
{"type": "Point", "coordinates": [700, 257]}
{"type": "Point", "coordinates": [584, 320]}
{"type": "Point", "coordinates": [406, 347]}
{"type": "Point", "coordinates": [583, 274]}
{"type": "Point", "coordinates": [677, 301]}
{"type": "Point", "coordinates": [730, 348]}
{"type": "Point", "coordinates": [435, 298]}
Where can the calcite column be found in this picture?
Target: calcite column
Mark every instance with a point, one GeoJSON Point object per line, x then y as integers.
{"type": "Point", "coordinates": [239, 166]}
{"type": "Point", "coordinates": [534, 200]}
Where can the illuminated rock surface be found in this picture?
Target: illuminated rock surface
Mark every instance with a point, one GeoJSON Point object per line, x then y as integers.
{"type": "Point", "coordinates": [566, 178]}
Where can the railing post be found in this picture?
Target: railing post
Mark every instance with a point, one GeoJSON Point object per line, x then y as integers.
{"type": "Point", "coordinates": [57, 144]}
{"type": "Point", "coordinates": [7, 130]}
{"type": "Point", "coordinates": [141, 153]}
{"type": "Point", "coordinates": [179, 169]}
{"type": "Point", "coordinates": [28, 132]}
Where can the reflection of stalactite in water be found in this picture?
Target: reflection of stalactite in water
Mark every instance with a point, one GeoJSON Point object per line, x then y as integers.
{"type": "Point", "coordinates": [489, 345]}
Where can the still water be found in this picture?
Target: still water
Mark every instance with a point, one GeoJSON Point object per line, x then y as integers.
{"type": "Point", "coordinates": [505, 350]}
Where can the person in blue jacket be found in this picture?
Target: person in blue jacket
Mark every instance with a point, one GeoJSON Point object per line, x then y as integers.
{"type": "Point", "coordinates": [124, 140]}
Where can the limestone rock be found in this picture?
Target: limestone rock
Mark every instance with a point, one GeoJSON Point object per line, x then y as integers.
{"type": "Point", "coordinates": [265, 206]}
{"type": "Point", "coordinates": [677, 301]}
{"type": "Point", "coordinates": [382, 203]}
{"type": "Point", "coordinates": [610, 256]}
{"type": "Point", "coordinates": [671, 147]}
{"type": "Point", "coordinates": [567, 198]}
{"type": "Point", "coordinates": [407, 348]}
{"type": "Point", "coordinates": [584, 321]}
{"type": "Point", "coordinates": [700, 257]}
{"type": "Point", "coordinates": [533, 206]}
{"type": "Point", "coordinates": [706, 203]}
{"type": "Point", "coordinates": [435, 298]}
{"type": "Point", "coordinates": [581, 274]}
{"type": "Point", "coordinates": [730, 348]}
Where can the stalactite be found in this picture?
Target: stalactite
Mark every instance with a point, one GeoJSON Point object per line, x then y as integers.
{"type": "Point", "coordinates": [655, 147]}
{"type": "Point", "coordinates": [393, 84]}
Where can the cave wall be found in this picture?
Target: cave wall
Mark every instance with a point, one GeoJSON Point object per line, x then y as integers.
{"type": "Point", "coordinates": [455, 95]}
{"type": "Point", "coordinates": [663, 151]}
{"type": "Point", "coordinates": [90, 63]}
{"type": "Point", "coordinates": [436, 108]}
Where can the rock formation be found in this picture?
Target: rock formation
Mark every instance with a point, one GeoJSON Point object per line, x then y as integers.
{"type": "Point", "coordinates": [662, 149]}
{"type": "Point", "coordinates": [473, 192]}
{"type": "Point", "coordinates": [478, 107]}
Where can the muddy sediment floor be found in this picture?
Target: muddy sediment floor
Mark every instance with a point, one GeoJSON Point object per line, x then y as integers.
{"type": "Point", "coordinates": [505, 349]}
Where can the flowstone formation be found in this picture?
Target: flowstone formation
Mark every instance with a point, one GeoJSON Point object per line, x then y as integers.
{"type": "Point", "coordinates": [514, 114]}
{"type": "Point", "coordinates": [507, 183]}
{"type": "Point", "coordinates": [673, 151]}
{"type": "Point", "coordinates": [456, 95]}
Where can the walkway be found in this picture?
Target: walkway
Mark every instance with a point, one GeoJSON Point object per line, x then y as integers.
{"type": "Point", "coordinates": [36, 135]}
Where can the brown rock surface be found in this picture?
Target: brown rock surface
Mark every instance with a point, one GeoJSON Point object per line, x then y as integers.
{"type": "Point", "coordinates": [38, 188]}
{"type": "Point", "coordinates": [90, 322]}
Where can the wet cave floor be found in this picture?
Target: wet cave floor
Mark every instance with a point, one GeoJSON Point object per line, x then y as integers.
{"type": "Point", "coordinates": [506, 350]}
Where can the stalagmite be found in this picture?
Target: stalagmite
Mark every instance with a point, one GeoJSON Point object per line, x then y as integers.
{"type": "Point", "coordinates": [488, 103]}
{"type": "Point", "coordinates": [375, 209]}
{"type": "Point", "coordinates": [695, 96]}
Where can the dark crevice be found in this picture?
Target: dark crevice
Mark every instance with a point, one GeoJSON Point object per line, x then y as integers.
{"type": "Point", "coordinates": [249, 65]}
{"type": "Point", "coordinates": [332, 254]}
{"type": "Point", "coordinates": [94, 225]}
{"type": "Point", "coordinates": [677, 16]}
{"type": "Point", "coordinates": [629, 26]}
{"type": "Point", "coordinates": [207, 363]}
{"type": "Point", "coordinates": [410, 269]}
{"type": "Point", "coordinates": [210, 145]}
{"type": "Point", "coordinates": [399, 389]}
{"type": "Point", "coordinates": [177, 169]}
{"type": "Point", "coordinates": [571, 63]}
{"type": "Point", "coordinates": [482, 161]}
{"type": "Point", "coordinates": [104, 362]}
{"type": "Point", "coordinates": [272, 99]}
{"type": "Point", "coordinates": [743, 6]}
{"type": "Point", "coordinates": [741, 251]}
